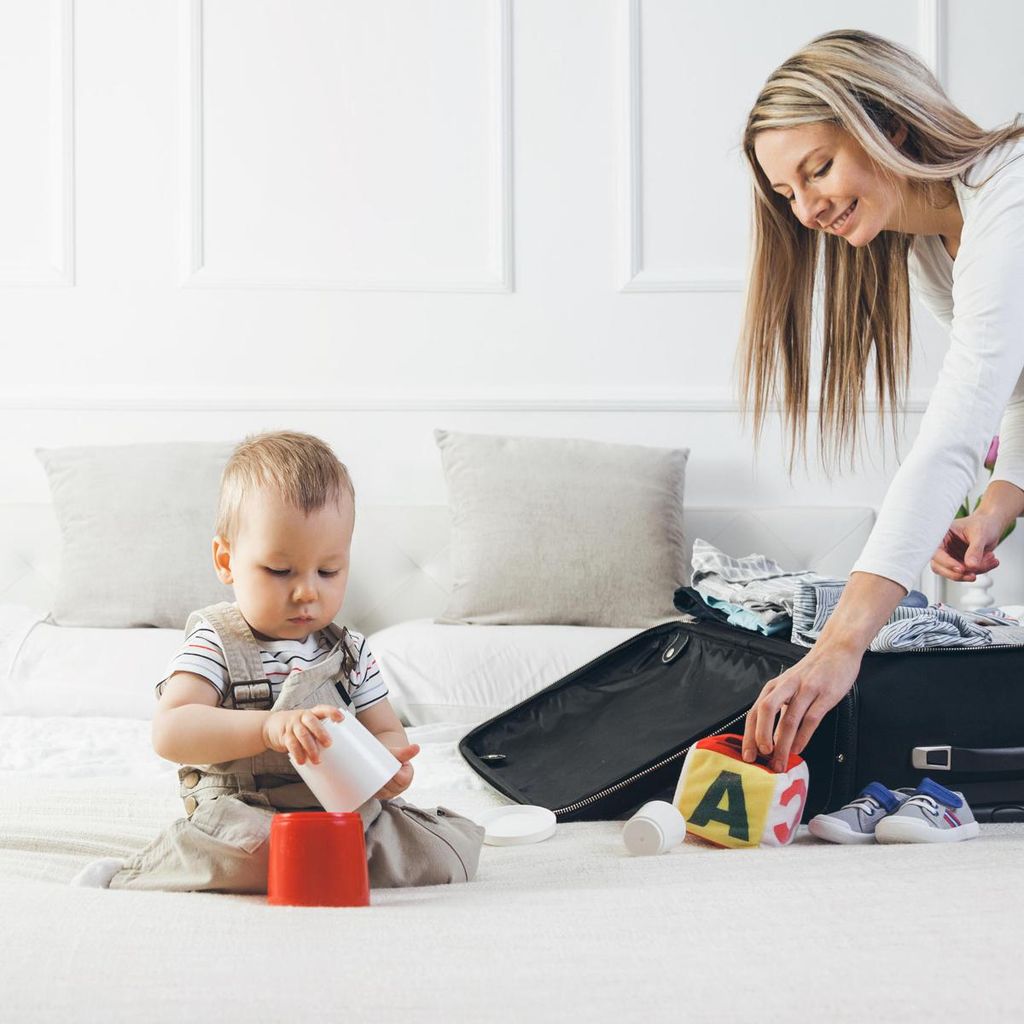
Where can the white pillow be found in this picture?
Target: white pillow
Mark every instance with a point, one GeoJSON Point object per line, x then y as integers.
{"type": "Point", "coordinates": [563, 530]}
{"type": "Point", "coordinates": [76, 670]}
{"type": "Point", "coordinates": [467, 674]}
{"type": "Point", "coordinates": [136, 521]}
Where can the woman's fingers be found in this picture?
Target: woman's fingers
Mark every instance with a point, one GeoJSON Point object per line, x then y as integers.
{"type": "Point", "coordinates": [776, 693]}
{"type": "Point", "coordinates": [812, 719]}
{"type": "Point", "coordinates": [943, 561]}
{"type": "Point", "coordinates": [792, 719]}
{"type": "Point", "coordinates": [749, 746]}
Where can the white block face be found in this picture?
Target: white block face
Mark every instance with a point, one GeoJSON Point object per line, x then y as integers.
{"type": "Point", "coordinates": [787, 806]}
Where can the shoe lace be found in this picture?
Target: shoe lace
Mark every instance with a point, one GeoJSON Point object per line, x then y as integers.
{"type": "Point", "coordinates": [929, 803]}
{"type": "Point", "coordinates": [868, 804]}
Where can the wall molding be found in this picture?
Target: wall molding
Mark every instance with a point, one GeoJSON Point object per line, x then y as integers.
{"type": "Point", "coordinates": [932, 36]}
{"type": "Point", "coordinates": [711, 400]}
{"type": "Point", "coordinates": [193, 270]}
{"type": "Point", "coordinates": [60, 272]}
{"type": "Point", "coordinates": [634, 276]}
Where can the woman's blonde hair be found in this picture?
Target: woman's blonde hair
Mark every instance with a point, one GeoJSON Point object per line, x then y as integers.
{"type": "Point", "coordinates": [300, 468]}
{"type": "Point", "coordinates": [869, 88]}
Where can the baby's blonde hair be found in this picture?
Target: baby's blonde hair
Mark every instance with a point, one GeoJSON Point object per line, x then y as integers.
{"type": "Point", "coordinates": [300, 468]}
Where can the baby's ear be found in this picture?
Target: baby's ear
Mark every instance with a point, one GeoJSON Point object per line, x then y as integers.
{"type": "Point", "coordinates": [222, 558]}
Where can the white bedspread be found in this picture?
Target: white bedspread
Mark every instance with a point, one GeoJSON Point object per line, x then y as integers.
{"type": "Point", "coordinates": [570, 928]}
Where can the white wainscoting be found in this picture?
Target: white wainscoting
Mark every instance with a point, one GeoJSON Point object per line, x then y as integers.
{"type": "Point", "coordinates": [370, 220]}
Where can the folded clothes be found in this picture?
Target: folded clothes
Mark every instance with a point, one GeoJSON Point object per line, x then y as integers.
{"type": "Point", "coordinates": [753, 582]}
{"type": "Point", "coordinates": [758, 594]}
{"type": "Point", "coordinates": [740, 616]}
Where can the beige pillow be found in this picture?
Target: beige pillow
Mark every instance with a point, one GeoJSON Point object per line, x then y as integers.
{"type": "Point", "coordinates": [136, 523]}
{"type": "Point", "coordinates": [553, 530]}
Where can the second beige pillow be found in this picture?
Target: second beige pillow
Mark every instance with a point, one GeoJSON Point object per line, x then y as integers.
{"type": "Point", "coordinates": [563, 530]}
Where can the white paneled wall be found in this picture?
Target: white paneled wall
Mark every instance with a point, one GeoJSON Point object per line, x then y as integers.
{"type": "Point", "coordinates": [371, 219]}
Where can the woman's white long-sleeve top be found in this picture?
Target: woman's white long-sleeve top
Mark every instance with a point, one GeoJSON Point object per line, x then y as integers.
{"type": "Point", "coordinates": [979, 296]}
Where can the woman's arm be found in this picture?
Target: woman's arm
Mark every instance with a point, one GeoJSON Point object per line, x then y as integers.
{"type": "Point", "coordinates": [969, 545]}
{"type": "Point", "coordinates": [974, 387]}
{"type": "Point", "coordinates": [810, 689]}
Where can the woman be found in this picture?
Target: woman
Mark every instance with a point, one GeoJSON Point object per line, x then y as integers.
{"type": "Point", "coordinates": [858, 156]}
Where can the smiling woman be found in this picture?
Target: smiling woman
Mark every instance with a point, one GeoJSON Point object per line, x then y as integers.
{"type": "Point", "coordinates": [861, 164]}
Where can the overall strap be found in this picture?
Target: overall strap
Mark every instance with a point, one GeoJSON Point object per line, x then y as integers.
{"type": "Point", "coordinates": [247, 681]}
{"type": "Point", "coordinates": [349, 649]}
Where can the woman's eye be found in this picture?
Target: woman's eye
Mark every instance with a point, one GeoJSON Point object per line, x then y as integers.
{"type": "Point", "coordinates": [824, 170]}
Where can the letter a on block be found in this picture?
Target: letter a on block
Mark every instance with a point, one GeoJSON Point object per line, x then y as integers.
{"type": "Point", "coordinates": [723, 799]}
{"type": "Point", "coordinates": [728, 787]}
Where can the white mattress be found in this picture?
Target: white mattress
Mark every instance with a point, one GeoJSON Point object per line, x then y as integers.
{"type": "Point", "coordinates": [571, 927]}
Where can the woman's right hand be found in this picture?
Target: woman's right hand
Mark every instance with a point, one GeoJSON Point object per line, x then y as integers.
{"type": "Point", "coordinates": [791, 706]}
{"type": "Point", "coordinates": [298, 731]}
{"type": "Point", "coordinates": [967, 548]}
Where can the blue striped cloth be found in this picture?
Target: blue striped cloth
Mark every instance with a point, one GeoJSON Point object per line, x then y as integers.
{"type": "Point", "coordinates": [775, 596]}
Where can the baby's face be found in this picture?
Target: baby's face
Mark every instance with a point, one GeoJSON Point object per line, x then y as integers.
{"type": "Point", "coordinates": [289, 570]}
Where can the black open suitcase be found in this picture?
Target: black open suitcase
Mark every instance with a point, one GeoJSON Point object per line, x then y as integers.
{"type": "Point", "coordinates": [613, 734]}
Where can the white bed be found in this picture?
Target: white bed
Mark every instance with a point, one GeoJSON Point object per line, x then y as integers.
{"type": "Point", "coordinates": [572, 927]}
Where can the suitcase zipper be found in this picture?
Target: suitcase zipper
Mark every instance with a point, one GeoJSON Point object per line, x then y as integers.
{"type": "Point", "coordinates": [594, 797]}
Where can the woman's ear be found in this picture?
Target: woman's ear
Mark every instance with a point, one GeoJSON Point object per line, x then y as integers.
{"type": "Point", "coordinates": [222, 559]}
{"type": "Point", "coordinates": [898, 135]}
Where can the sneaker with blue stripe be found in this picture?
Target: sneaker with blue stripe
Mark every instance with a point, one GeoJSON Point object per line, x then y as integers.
{"type": "Point", "coordinates": [932, 814]}
{"type": "Point", "coordinates": [856, 821]}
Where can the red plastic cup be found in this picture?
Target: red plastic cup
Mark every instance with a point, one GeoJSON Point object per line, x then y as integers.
{"type": "Point", "coordinates": [317, 859]}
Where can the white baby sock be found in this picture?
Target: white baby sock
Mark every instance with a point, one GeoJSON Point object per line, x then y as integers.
{"type": "Point", "coordinates": [98, 873]}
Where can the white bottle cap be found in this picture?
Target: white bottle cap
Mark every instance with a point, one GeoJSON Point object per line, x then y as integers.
{"type": "Point", "coordinates": [517, 824]}
{"type": "Point", "coordinates": [655, 828]}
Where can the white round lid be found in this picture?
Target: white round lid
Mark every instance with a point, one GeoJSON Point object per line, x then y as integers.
{"type": "Point", "coordinates": [516, 824]}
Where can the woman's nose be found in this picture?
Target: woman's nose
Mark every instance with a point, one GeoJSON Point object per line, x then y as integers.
{"type": "Point", "coordinates": [809, 208]}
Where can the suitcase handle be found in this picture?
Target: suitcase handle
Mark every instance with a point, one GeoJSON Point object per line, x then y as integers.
{"type": "Point", "coordinates": [968, 759]}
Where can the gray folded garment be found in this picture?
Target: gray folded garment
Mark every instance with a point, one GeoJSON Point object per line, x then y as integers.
{"type": "Point", "coordinates": [912, 626]}
{"type": "Point", "coordinates": [774, 595]}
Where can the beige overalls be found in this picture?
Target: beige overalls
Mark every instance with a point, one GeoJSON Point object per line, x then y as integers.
{"type": "Point", "coordinates": [222, 844]}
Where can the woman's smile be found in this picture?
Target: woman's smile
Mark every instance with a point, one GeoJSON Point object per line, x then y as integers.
{"type": "Point", "coordinates": [841, 222]}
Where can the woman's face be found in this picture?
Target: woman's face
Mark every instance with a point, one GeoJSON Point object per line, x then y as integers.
{"type": "Point", "coordinates": [829, 181]}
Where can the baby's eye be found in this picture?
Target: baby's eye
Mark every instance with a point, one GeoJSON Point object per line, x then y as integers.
{"type": "Point", "coordinates": [284, 572]}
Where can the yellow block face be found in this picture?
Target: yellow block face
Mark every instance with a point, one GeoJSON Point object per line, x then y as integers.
{"type": "Point", "coordinates": [725, 800]}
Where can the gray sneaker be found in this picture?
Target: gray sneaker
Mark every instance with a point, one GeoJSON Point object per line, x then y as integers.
{"type": "Point", "coordinates": [933, 814]}
{"type": "Point", "coordinates": [857, 820]}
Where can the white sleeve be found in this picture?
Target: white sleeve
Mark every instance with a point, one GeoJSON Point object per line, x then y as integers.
{"type": "Point", "coordinates": [1010, 463]}
{"type": "Point", "coordinates": [978, 375]}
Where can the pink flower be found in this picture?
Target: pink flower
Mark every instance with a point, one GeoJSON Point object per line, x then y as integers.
{"type": "Point", "coordinates": [993, 454]}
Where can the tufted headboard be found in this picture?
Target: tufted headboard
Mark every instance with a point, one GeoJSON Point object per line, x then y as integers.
{"type": "Point", "coordinates": [400, 556]}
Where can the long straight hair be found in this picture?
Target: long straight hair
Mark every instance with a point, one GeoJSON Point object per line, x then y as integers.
{"type": "Point", "coordinates": [868, 87]}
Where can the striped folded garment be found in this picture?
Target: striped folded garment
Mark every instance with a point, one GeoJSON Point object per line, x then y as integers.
{"type": "Point", "coordinates": [909, 627]}
{"type": "Point", "coordinates": [773, 597]}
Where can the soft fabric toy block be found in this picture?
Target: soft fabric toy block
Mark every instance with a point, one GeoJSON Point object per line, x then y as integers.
{"type": "Point", "coordinates": [729, 802]}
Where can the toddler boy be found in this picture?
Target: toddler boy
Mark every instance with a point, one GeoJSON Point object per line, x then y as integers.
{"type": "Point", "coordinates": [254, 680]}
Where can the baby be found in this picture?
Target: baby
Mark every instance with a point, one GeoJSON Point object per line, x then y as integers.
{"type": "Point", "coordinates": [254, 680]}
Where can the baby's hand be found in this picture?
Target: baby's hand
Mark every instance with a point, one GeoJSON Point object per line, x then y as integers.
{"type": "Point", "coordinates": [298, 732]}
{"type": "Point", "coordinates": [403, 777]}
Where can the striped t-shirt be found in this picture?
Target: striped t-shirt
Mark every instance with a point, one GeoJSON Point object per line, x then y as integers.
{"type": "Point", "coordinates": [202, 654]}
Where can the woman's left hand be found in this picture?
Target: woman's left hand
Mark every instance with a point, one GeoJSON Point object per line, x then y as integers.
{"type": "Point", "coordinates": [967, 548]}
{"type": "Point", "coordinates": [803, 695]}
